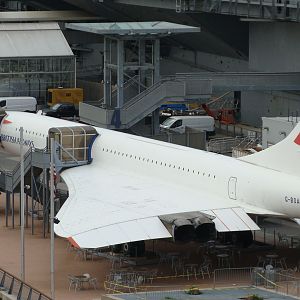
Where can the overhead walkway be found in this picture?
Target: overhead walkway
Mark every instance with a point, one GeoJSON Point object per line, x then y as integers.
{"type": "Point", "coordinates": [287, 10]}
{"type": "Point", "coordinates": [186, 86]}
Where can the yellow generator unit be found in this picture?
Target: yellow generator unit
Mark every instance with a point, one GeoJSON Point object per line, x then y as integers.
{"type": "Point", "coordinates": [69, 95]}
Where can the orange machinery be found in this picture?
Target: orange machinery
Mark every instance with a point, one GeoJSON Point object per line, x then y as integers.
{"type": "Point", "coordinates": [224, 115]}
{"type": "Point", "coordinates": [69, 95]}
{"type": "Point", "coordinates": [223, 110]}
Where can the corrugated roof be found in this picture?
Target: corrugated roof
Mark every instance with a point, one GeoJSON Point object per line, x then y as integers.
{"type": "Point", "coordinates": [133, 28]}
{"type": "Point", "coordinates": [32, 40]}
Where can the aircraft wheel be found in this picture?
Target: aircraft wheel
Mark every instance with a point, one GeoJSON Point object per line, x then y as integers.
{"type": "Point", "coordinates": [134, 249]}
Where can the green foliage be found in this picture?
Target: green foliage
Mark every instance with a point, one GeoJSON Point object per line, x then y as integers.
{"type": "Point", "coordinates": [256, 297]}
{"type": "Point", "coordinates": [252, 297]}
{"type": "Point", "coordinates": [193, 291]}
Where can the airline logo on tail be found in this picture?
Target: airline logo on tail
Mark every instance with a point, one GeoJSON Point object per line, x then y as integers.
{"type": "Point", "coordinates": [297, 139]}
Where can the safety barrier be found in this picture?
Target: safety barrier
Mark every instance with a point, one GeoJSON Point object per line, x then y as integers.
{"type": "Point", "coordinates": [147, 292]}
{"type": "Point", "coordinates": [11, 285]}
{"type": "Point", "coordinates": [279, 281]}
{"type": "Point", "coordinates": [142, 281]}
{"type": "Point", "coordinates": [236, 276]}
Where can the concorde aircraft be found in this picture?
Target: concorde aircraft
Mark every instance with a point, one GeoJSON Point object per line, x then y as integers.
{"type": "Point", "coordinates": [138, 189]}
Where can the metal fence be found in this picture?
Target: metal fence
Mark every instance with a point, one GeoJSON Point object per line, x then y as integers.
{"type": "Point", "coordinates": [223, 145]}
{"type": "Point", "coordinates": [12, 285]}
{"type": "Point", "coordinates": [161, 295]}
{"type": "Point", "coordinates": [279, 281]}
{"type": "Point", "coordinates": [238, 130]}
{"type": "Point", "coordinates": [282, 282]}
{"type": "Point", "coordinates": [235, 276]}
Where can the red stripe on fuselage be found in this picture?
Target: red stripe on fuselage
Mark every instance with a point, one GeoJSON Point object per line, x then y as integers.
{"type": "Point", "coordinates": [7, 122]}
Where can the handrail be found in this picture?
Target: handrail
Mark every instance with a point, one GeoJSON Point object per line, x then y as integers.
{"type": "Point", "coordinates": [12, 172]}
{"type": "Point", "coordinates": [14, 278]}
{"type": "Point", "coordinates": [144, 93]}
{"type": "Point", "coordinates": [128, 83]}
{"type": "Point", "coordinates": [202, 75]}
{"type": "Point", "coordinates": [197, 76]}
{"type": "Point", "coordinates": [215, 74]}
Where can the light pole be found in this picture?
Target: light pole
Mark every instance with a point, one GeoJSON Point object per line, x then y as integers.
{"type": "Point", "coordinates": [22, 206]}
{"type": "Point", "coordinates": [52, 218]}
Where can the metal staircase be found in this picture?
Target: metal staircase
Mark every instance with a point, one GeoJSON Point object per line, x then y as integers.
{"type": "Point", "coordinates": [144, 103]}
{"type": "Point", "coordinates": [9, 180]}
{"type": "Point", "coordinates": [12, 287]}
{"type": "Point", "coordinates": [183, 86]}
{"type": "Point", "coordinates": [288, 10]}
{"type": "Point", "coordinates": [130, 91]}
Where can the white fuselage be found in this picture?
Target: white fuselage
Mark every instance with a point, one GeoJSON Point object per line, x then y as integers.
{"type": "Point", "coordinates": [229, 178]}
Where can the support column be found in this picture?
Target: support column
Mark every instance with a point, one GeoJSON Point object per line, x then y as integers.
{"type": "Point", "coordinates": [107, 72]}
{"type": "Point", "coordinates": [26, 211]}
{"type": "Point", "coordinates": [120, 73]}
{"type": "Point", "coordinates": [47, 178]}
{"type": "Point", "coordinates": [44, 203]}
{"type": "Point", "coordinates": [32, 201]}
{"type": "Point", "coordinates": [7, 208]}
{"type": "Point", "coordinates": [142, 61]}
{"type": "Point", "coordinates": [20, 209]}
{"type": "Point", "coordinates": [156, 61]}
{"type": "Point", "coordinates": [155, 122]}
{"type": "Point", "coordinates": [156, 78]}
{"type": "Point", "coordinates": [13, 210]}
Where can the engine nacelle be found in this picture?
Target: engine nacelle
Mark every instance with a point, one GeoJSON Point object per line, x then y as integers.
{"type": "Point", "coordinates": [182, 230]}
{"type": "Point", "coordinates": [190, 226]}
{"type": "Point", "coordinates": [205, 229]}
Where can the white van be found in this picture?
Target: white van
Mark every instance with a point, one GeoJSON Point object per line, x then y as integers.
{"type": "Point", "coordinates": [179, 123]}
{"type": "Point", "coordinates": [28, 104]}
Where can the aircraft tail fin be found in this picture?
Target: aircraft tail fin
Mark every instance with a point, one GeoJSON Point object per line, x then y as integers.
{"type": "Point", "coordinates": [283, 156]}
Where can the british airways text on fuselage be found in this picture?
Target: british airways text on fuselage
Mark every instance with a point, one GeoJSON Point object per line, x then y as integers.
{"type": "Point", "coordinates": [14, 140]}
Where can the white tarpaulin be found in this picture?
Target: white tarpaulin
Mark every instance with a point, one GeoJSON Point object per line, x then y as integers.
{"type": "Point", "coordinates": [32, 40]}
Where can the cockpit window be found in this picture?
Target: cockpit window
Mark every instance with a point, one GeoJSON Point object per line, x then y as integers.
{"type": "Point", "coordinates": [2, 103]}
